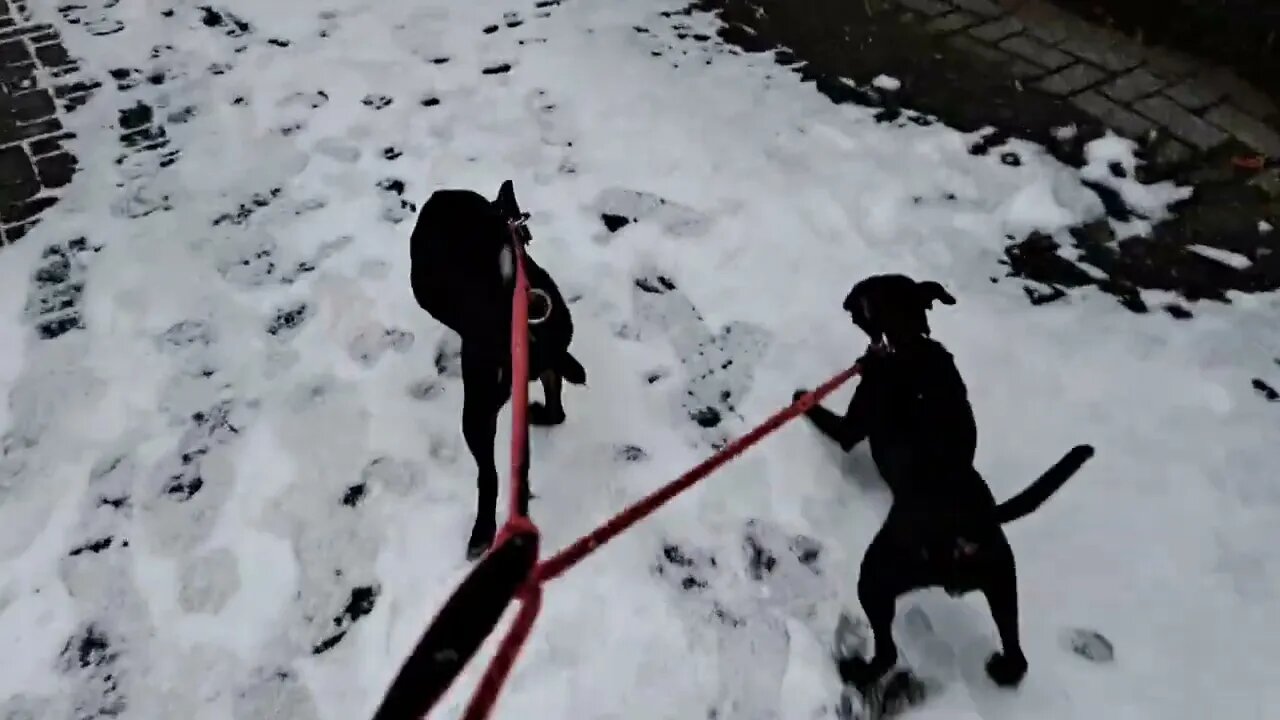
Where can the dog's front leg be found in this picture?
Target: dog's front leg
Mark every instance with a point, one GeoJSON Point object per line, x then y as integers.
{"type": "Point", "coordinates": [483, 397]}
{"type": "Point", "coordinates": [847, 431]}
{"type": "Point", "coordinates": [552, 411]}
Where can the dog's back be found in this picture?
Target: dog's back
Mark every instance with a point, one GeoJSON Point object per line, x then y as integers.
{"type": "Point", "coordinates": [924, 430]}
{"type": "Point", "coordinates": [462, 274]}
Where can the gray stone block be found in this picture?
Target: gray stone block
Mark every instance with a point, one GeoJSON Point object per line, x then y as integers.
{"type": "Point", "coordinates": [1123, 121]}
{"type": "Point", "coordinates": [1172, 65]}
{"type": "Point", "coordinates": [1248, 129]}
{"type": "Point", "coordinates": [1036, 51]}
{"type": "Point", "coordinates": [997, 30]}
{"type": "Point", "coordinates": [1023, 70]}
{"type": "Point", "coordinates": [1180, 122]}
{"type": "Point", "coordinates": [1133, 85]}
{"type": "Point", "coordinates": [1245, 96]}
{"type": "Point", "coordinates": [927, 7]}
{"type": "Point", "coordinates": [1047, 22]}
{"type": "Point", "coordinates": [986, 8]}
{"type": "Point", "coordinates": [1071, 79]}
{"type": "Point", "coordinates": [1196, 93]}
{"type": "Point", "coordinates": [1103, 48]}
{"type": "Point", "coordinates": [977, 48]}
{"type": "Point", "coordinates": [952, 22]}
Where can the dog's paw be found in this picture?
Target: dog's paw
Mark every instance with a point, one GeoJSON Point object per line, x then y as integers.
{"type": "Point", "coordinates": [481, 538]}
{"type": "Point", "coordinates": [795, 396]}
{"type": "Point", "coordinates": [859, 673]}
{"type": "Point", "coordinates": [1005, 670]}
{"type": "Point", "coordinates": [543, 416]}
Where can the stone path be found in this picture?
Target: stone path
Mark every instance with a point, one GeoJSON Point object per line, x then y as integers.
{"type": "Point", "coordinates": [1133, 89]}
{"type": "Point", "coordinates": [37, 85]}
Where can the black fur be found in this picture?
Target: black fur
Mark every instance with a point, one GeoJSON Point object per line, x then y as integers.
{"type": "Point", "coordinates": [944, 527]}
{"type": "Point", "coordinates": [460, 247]}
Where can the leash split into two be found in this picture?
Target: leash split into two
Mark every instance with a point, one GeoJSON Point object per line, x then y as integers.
{"type": "Point", "coordinates": [511, 569]}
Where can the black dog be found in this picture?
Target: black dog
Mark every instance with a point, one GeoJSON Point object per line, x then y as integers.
{"type": "Point", "coordinates": [944, 527]}
{"type": "Point", "coordinates": [463, 274]}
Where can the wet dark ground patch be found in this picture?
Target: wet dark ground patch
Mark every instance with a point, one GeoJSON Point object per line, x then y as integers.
{"type": "Point", "coordinates": [828, 41]}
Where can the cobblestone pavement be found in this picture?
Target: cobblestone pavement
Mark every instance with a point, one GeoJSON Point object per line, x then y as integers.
{"type": "Point", "coordinates": [37, 86]}
{"type": "Point", "coordinates": [1027, 69]}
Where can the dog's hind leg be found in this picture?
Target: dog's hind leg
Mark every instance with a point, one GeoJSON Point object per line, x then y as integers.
{"type": "Point", "coordinates": [552, 411]}
{"type": "Point", "coordinates": [879, 585]}
{"type": "Point", "coordinates": [483, 396]}
{"type": "Point", "coordinates": [1007, 667]}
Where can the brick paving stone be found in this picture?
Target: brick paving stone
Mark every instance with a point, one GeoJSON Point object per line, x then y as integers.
{"type": "Point", "coordinates": [978, 48]}
{"type": "Point", "coordinates": [1114, 116]}
{"type": "Point", "coordinates": [952, 22]}
{"type": "Point", "coordinates": [48, 36]}
{"type": "Point", "coordinates": [21, 212]}
{"type": "Point", "coordinates": [17, 177]}
{"type": "Point", "coordinates": [1046, 21]}
{"type": "Point", "coordinates": [1243, 95]}
{"type": "Point", "coordinates": [1102, 48]}
{"type": "Point", "coordinates": [17, 78]}
{"type": "Point", "coordinates": [1246, 128]}
{"type": "Point", "coordinates": [31, 106]}
{"type": "Point", "coordinates": [928, 7]}
{"type": "Point", "coordinates": [1023, 70]}
{"type": "Point", "coordinates": [1037, 52]}
{"type": "Point", "coordinates": [1133, 85]}
{"type": "Point", "coordinates": [997, 30]}
{"type": "Point", "coordinates": [1180, 122]}
{"type": "Point", "coordinates": [981, 7]}
{"type": "Point", "coordinates": [56, 170]}
{"type": "Point", "coordinates": [1168, 63]}
{"type": "Point", "coordinates": [13, 52]}
{"type": "Point", "coordinates": [1196, 93]}
{"type": "Point", "coordinates": [48, 145]}
{"type": "Point", "coordinates": [37, 129]}
{"type": "Point", "coordinates": [52, 55]}
{"type": "Point", "coordinates": [1071, 79]}
{"type": "Point", "coordinates": [20, 31]}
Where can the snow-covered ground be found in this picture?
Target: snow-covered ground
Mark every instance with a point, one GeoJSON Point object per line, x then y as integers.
{"type": "Point", "coordinates": [240, 489]}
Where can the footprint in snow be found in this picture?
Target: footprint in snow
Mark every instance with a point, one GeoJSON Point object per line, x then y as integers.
{"type": "Point", "coordinates": [620, 207]}
{"type": "Point", "coordinates": [1088, 644]}
{"type": "Point", "coordinates": [719, 366]}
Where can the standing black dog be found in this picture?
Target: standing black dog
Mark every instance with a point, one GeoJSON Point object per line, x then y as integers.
{"type": "Point", "coordinates": [463, 274]}
{"type": "Point", "coordinates": [944, 527]}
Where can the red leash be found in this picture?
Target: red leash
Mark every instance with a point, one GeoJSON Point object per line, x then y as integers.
{"type": "Point", "coordinates": [511, 569]}
{"type": "Point", "coordinates": [557, 564]}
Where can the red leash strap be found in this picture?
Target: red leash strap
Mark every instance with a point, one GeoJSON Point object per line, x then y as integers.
{"type": "Point", "coordinates": [557, 564]}
{"type": "Point", "coordinates": [519, 383]}
{"type": "Point", "coordinates": [470, 615]}
{"type": "Point", "coordinates": [462, 625]}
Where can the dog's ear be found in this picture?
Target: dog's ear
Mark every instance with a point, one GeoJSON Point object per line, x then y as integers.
{"type": "Point", "coordinates": [506, 200]}
{"type": "Point", "coordinates": [930, 291]}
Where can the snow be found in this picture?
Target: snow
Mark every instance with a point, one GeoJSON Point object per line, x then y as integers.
{"type": "Point", "coordinates": [1226, 257]}
{"type": "Point", "coordinates": [238, 584]}
{"type": "Point", "coordinates": [885, 82]}
{"type": "Point", "coordinates": [1264, 227]}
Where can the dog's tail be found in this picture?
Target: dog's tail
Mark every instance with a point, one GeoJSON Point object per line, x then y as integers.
{"type": "Point", "coordinates": [1034, 495]}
